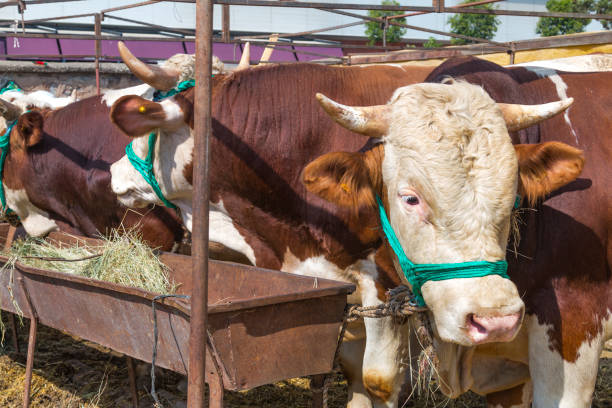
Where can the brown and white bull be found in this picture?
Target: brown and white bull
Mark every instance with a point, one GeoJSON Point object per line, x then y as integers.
{"type": "Point", "coordinates": [56, 173]}
{"type": "Point", "coordinates": [562, 265]}
{"type": "Point", "coordinates": [449, 191]}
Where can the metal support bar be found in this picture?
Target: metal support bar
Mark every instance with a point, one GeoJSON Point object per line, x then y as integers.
{"type": "Point", "coordinates": [215, 375]}
{"type": "Point", "coordinates": [98, 31]}
{"type": "Point", "coordinates": [427, 30]}
{"type": "Point", "coordinates": [225, 22]}
{"type": "Point", "coordinates": [31, 344]}
{"type": "Point", "coordinates": [304, 33]}
{"type": "Point", "coordinates": [317, 382]}
{"type": "Point", "coordinates": [13, 324]}
{"type": "Point", "coordinates": [438, 5]}
{"type": "Point", "coordinates": [159, 27]}
{"type": "Point", "coordinates": [199, 246]}
{"type": "Point", "coordinates": [463, 5]}
{"type": "Point", "coordinates": [132, 376]}
{"type": "Point", "coordinates": [352, 6]}
{"type": "Point", "coordinates": [129, 6]}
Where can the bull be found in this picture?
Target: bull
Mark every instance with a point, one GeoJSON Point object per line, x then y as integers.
{"type": "Point", "coordinates": [58, 154]}
{"type": "Point", "coordinates": [260, 207]}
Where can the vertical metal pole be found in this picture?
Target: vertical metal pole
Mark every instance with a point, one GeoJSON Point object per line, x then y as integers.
{"type": "Point", "coordinates": [132, 376]}
{"type": "Point", "coordinates": [11, 318]}
{"type": "Point", "coordinates": [225, 21]}
{"type": "Point", "coordinates": [199, 246]}
{"type": "Point", "coordinates": [98, 32]}
{"type": "Point", "coordinates": [30, 361]}
{"type": "Point", "coordinates": [31, 344]}
{"type": "Point", "coordinates": [13, 325]}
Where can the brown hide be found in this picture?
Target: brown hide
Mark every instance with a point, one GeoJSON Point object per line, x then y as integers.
{"type": "Point", "coordinates": [564, 257]}
{"type": "Point", "coordinates": [62, 159]}
{"type": "Point", "coordinates": [267, 125]}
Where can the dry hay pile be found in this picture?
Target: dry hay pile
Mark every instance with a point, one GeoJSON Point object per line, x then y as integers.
{"type": "Point", "coordinates": [121, 258]}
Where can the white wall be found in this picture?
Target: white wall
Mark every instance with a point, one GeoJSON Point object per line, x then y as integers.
{"type": "Point", "coordinates": [285, 20]}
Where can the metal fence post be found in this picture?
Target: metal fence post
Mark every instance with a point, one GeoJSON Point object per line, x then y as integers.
{"type": "Point", "coordinates": [202, 127]}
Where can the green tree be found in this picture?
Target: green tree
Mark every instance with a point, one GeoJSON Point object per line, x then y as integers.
{"type": "Point", "coordinates": [604, 7]}
{"type": "Point", "coordinates": [548, 26]}
{"type": "Point", "coordinates": [374, 30]}
{"type": "Point", "coordinates": [431, 43]}
{"type": "Point", "coordinates": [474, 25]}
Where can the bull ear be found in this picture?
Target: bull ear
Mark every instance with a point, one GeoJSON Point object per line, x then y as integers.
{"type": "Point", "coordinates": [30, 128]}
{"type": "Point", "coordinates": [347, 179]}
{"type": "Point", "coordinates": [136, 116]}
{"type": "Point", "coordinates": [545, 167]}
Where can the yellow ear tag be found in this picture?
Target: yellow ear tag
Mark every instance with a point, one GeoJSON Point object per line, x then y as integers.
{"type": "Point", "coordinates": [142, 109]}
{"type": "Point", "coordinates": [345, 187]}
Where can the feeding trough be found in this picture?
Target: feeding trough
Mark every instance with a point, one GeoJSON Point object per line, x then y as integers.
{"type": "Point", "coordinates": [263, 325]}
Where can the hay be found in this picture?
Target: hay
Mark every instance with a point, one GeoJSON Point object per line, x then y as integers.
{"type": "Point", "coordinates": [122, 258]}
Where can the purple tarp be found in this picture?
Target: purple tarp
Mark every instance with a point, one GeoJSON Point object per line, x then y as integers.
{"type": "Point", "coordinates": [160, 49]}
{"type": "Point", "coordinates": [31, 46]}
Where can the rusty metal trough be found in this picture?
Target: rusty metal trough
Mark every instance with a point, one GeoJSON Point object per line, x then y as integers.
{"type": "Point", "coordinates": [264, 325]}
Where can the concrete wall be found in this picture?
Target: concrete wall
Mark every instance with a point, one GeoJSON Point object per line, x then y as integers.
{"type": "Point", "coordinates": [63, 78]}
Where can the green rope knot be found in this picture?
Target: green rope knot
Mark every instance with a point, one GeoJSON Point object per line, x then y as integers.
{"type": "Point", "coordinates": [418, 274]}
{"type": "Point", "coordinates": [145, 168]}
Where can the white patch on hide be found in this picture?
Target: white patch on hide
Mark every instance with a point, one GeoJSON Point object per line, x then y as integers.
{"type": "Point", "coordinates": [386, 342]}
{"type": "Point", "coordinates": [221, 229]}
{"type": "Point", "coordinates": [580, 63]}
{"type": "Point", "coordinates": [39, 99]}
{"type": "Point", "coordinates": [559, 383]}
{"type": "Point", "coordinates": [144, 91]}
{"type": "Point", "coordinates": [561, 88]}
{"type": "Point", "coordinates": [35, 221]}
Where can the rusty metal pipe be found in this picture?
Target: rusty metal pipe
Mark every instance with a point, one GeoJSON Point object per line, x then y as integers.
{"type": "Point", "coordinates": [11, 319]}
{"type": "Point", "coordinates": [132, 376]}
{"type": "Point", "coordinates": [199, 246]}
{"type": "Point", "coordinates": [30, 362]}
{"type": "Point", "coordinates": [98, 32]}
{"type": "Point", "coordinates": [31, 345]}
{"type": "Point", "coordinates": [458, 6]}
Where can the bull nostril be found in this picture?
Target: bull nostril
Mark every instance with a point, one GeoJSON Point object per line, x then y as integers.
{"type": "Point", "coordinates": [475, 324]}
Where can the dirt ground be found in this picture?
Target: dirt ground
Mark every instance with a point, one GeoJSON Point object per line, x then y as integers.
{"type": "Point", "coordinates": [70, 373]}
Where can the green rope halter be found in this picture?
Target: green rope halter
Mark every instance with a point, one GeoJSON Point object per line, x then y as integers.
{"type": "Point", "coordinates": [10, 86]}
{"type": "Point", "coordinates": [145, 168]}
{"type": "Point", "coordinates": [4, 146]}
{"type": "Point", "coordinates": [183, 85]}
{"type": "Point", "coordinates": [418, 274]}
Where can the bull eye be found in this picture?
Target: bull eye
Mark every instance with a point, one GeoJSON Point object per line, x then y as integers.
{"type": "Point", "coordinates": [410, 199]}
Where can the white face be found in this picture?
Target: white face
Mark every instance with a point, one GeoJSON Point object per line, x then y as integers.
{"type": "Point", "coordinates": [172, 152]}
{"type": "Point", "coordinates": [450, 175]}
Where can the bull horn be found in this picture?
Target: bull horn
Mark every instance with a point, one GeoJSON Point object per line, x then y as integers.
{"type": "Point", "coordinates": [368, 120]}
{"type": "Point", "coordinates": [9, 111]}
{"type": "Point", "coordinates": [245, 59]}
{"type": "Point", "coordinates": [519, 117]}
{"type": "Point", "coordinates": [160, 78]}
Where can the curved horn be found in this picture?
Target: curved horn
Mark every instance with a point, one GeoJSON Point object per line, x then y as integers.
{"type": "Point", "coordinates": [368, 120]}
{"type": "Point", "coordinates": [9, 111]}
{"type": "Point", "coordinates": [519, 117]}
{"type": "Point", "coordinates": [160, 78]}
{"type": "Point", "coordinates": [245, 59]}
